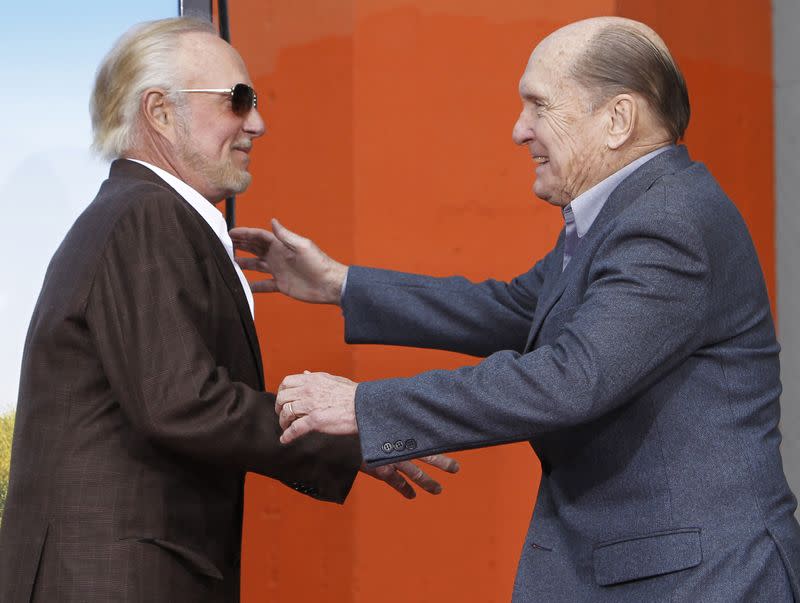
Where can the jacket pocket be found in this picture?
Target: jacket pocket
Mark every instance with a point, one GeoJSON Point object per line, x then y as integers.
{"type": "Point", "coordinates": [646, 556]}
{"type": "Point", "coordinates": [196, 561]}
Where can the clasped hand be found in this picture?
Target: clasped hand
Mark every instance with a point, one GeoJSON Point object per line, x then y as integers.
{"type": "Point", "coordinates": [316, 402]}
{"type": "Point", "coordinates": [326, 403]}
{"type": "Point", "coordinates": [319, 401]}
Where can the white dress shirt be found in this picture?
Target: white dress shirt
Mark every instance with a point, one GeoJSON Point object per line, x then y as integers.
{"type": "Point", "coordinates": [210, 214]}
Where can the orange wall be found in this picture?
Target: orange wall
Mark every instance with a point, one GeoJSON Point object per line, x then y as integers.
{"type": "Point", "coordinates": [389, 143]}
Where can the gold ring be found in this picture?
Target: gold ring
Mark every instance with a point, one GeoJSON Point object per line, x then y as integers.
{"type": "Point", "coordinates": [291, 410]}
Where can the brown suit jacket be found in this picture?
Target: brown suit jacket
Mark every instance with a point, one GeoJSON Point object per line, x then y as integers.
{"type": "Point", "coordinates": [141, 407]}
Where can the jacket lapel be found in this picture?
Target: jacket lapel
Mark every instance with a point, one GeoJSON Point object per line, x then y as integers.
{"type": "Point", "coordinates": [628, 190]}
{"type": "Point", "coordinates": [132, 169]}
{"type": "Point", "coordinates": [228, 273]}
{"type": "Point", "coordinates": [553, 286]}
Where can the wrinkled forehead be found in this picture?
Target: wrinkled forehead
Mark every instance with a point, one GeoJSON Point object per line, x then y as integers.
{"type": "Point", "coordinates": [206, 60]}
{"type": "Point", "coordinates": [549, 64]}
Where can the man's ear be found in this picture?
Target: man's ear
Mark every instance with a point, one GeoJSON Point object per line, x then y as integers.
{"type": "Point", "coordinates": [623, 112]}
{"type": "Point", "coordinates": [158, 112]}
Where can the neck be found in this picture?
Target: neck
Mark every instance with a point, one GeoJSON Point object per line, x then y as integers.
{"type": "Point", "coordinates": [167, 162]}
{"type": "Point", "coordinates": [153, 157]}
{"type": "Point", "coordinates": [631, 152]}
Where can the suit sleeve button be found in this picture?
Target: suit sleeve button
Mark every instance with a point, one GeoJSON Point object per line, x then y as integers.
{"type": "Point", "coordinates": [399, 445]}
{"type": "Point", "coordinates": [411, 444]}
{"type": "Point", "coordinates": [387, 447]}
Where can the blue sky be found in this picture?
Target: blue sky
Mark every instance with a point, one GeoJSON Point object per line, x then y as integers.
{"type": "Point", "coordinates": [50, 52]}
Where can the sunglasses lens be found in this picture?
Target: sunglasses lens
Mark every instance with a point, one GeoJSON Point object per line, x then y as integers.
{"type": "Point", "coordinates": [243, 99]}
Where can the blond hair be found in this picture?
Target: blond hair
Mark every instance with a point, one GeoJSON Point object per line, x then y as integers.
{"type": "Point", "coordinates": [144, 57]}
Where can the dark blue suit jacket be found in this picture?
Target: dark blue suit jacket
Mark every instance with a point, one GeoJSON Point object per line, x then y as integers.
{"type": "Point", "coordinates": [646, 378]}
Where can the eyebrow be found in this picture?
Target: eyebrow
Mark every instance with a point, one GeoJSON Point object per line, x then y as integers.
{"type": "Point", "coordinates": [530, 95]}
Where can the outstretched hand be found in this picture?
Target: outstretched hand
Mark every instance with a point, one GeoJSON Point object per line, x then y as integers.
{"type": "Point", "coordinates": [393, 474]}
{"type": "Point", "coordinates": [298, 267]}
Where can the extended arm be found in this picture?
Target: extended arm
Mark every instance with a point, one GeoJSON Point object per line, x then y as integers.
{"type": "Point", "coordinates": [641, 315]}
{"type": "Point", "coordinates": [147, 309]}
{"type": "Point", "coordinates": [382, 306]}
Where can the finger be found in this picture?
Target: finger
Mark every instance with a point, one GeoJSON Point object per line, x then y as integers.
{"type": "Point", "coordinates": [290, 381]}
{"type": "Point", "coordinates": [396, 481]}
{"type": "Point", "coordinates": [296, 430]}
{"type": "Point", "coordinates": [250, 247]}
{"type": "Point", "coordinates": [243, 232]}
{"type": "Point", "coordinates": [419, 477]}
{"type": "Point", "coordinates": [333, 377]}
{"type": "Point", "coordinates": [329, 376]}
{"type": "Point", "coordinates": [251, 235]}
{"type": "Point", "coordinates": [268, 285]}
{"type": "Point", "coordinates": [253, 264]}
{"type": "Point", "coordinates": [288, 415]}
{"type": "Point", "coordinates": [440, 461]}
{"type": "Point", "coordinates": [287, 237]}
{"type": "Point", "coordinates": [256, 240]}
{"type": "Point", "coordinates": [285, 396]}
{"type": "Point", "coordinates": [284, 417]}
{"type": "Point", "coordinates": [280, 400]}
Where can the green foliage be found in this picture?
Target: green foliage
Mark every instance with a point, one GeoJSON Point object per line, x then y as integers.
{"type": "Point", "coordinates": [6, 431]}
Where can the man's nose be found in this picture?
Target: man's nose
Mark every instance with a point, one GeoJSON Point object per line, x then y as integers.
{"type": "Point", "coordinates": [254, 124]}
{"type": "Point", "coordinates": [522, 133]}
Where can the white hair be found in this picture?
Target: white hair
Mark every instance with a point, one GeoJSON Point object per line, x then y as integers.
{"type": "Point", "coordinates": [144, 57]}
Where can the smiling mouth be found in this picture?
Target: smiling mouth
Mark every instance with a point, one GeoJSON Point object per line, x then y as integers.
{"type": "Point", "coordinates": [540, 159]}
{"type": "Point", "coordinates": [244, 146]}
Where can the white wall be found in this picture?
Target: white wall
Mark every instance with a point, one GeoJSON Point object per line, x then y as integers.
{"type": "Point", "coordinates": [786, 58]}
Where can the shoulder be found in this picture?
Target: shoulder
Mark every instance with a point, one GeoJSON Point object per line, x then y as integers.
{"type": "Point", "coordinates": [681, 217]}
{"type": "Point", "coordinates": [140, 226]}
{"type": "Point", "coordinates": [688, 198]}
{"type": "Point", "coordinates": [142, 212]}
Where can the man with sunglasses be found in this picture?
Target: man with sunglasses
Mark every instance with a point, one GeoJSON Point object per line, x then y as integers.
{"type": "Point", "coordinates": [141, 400]}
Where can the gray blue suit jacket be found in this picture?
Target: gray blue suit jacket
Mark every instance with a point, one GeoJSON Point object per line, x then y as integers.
{"type": "Point", "coordinates": [645, 376]}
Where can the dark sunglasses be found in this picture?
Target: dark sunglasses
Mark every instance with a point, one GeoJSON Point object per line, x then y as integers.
{"type": "Point", "coordinates": [243, 97]}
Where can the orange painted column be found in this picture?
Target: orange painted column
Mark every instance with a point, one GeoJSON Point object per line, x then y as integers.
{"type": "Point", "coordinates": [725, 52]}
{"type": "Point", "coordinates": [389, 143]}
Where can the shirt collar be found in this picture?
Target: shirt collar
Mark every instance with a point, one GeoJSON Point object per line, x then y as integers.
{"type": "Point", "coordinates": [211, 215]}
{"type": "Point", "coordinates": [586, 206]}
{"type": "Point", "coordinates": [201, 205]}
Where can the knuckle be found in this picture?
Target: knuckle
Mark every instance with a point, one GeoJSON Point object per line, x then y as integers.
{"type": "Point", "coordinates": [399, 482]}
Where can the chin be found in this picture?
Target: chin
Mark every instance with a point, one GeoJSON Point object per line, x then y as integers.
{"type": "Point", "coordinates": [236, 183]}
{"type": "Point", "coordinates": [243, 182]}
{"type": "Point", "coordinates": [541, 192]}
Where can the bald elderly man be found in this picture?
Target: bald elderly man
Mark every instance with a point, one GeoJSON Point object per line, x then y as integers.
{"type": "Point", "coordinates": [638, 357]}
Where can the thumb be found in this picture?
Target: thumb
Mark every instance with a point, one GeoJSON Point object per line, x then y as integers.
{"type": "Point", "coordinates": [286, 236]}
